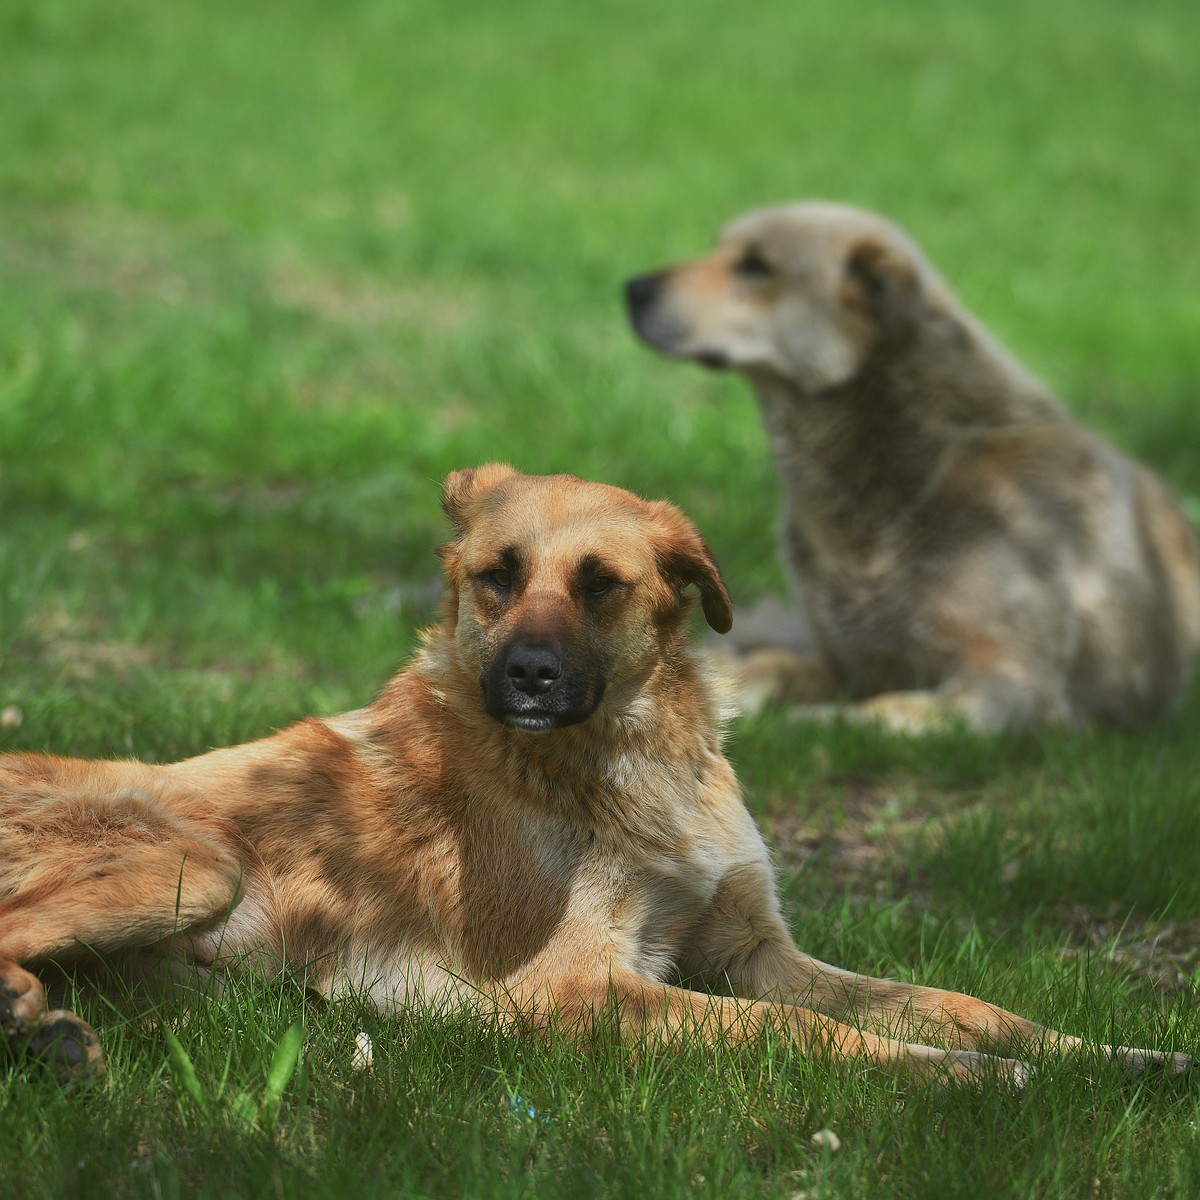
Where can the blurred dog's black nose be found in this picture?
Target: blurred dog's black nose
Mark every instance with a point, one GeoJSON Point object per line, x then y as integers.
{"type": "Point", "coordinates": [533, 670]}
{"type": "Point", "coordinates": [641, 290]}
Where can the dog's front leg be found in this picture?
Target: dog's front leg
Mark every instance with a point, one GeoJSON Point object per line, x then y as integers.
{"type": "Point", "coordinates": [743, 945]}
{"type": "Point", "coordinates": [662, 1012]}
{"type": "Point", "coordinates": [582, 981]}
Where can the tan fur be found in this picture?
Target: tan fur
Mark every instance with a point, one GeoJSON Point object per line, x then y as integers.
{"type": "Point", "coordinates": [961, 547]}
{"type": "Point", "coordinates": [426, 850]}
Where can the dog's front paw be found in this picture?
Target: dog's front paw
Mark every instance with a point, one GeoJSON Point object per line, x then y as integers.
{"type": "Point", "coordinates": [974, 1067]}
{"type": "Point", "coordinates": [1156, 1064]}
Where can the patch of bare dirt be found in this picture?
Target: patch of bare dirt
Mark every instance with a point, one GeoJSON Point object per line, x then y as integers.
{"type": "Point", "coordinates": [79, 650]}
{"type": "Point", "coordinates": [125, 253]}
{"type": "Point", "coordinates": [1163, 954]}
{"type": "Point", "coordinates": [62, 639]}
{"type": "Point", "coordinates": [136, 255]}
{"type": "Point", "coordinates": [362, 301]}
{"type": "Point", "coordinates": [864, 844]}
{"type": "Point", "coordinates": [858, 840]}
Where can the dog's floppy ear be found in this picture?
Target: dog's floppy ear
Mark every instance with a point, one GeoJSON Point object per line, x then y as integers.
{"type": "Point", "coordinates": [684, 557]}
{"type": "Point", "coordinates": [460, 489]}
{"type": "Point", "coordinates": [881, 282]}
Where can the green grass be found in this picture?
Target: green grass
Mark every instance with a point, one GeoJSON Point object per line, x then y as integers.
{"type": "Point", "coordinates": [268, 271]}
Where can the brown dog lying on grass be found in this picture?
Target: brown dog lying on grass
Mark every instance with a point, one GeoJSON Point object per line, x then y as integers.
{"type": "Point", "coordinates": [534, 818]}
{"type": "Point", "coordinates": [961, 545]}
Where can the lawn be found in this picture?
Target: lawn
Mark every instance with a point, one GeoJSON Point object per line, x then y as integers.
{"type": "Point", "coordinates": [268, 271]}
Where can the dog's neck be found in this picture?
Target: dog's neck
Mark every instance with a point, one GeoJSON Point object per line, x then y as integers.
{"type": "Point", "coordinates": [855, 457]}
{"type": "Point", "coordinates": [643, 718]}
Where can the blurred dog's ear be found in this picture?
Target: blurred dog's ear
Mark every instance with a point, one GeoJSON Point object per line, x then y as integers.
{"type": "Point", "coordinates": [460, 489]}
{"type": "Point", "coordinates": [881, 282]}
{"type": "Point", "coordinates": [684, 558]}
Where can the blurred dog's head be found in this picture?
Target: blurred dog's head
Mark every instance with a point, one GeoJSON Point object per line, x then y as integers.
{"type": "Point", "coordinates": [563, 594]}
{"type": "Point", "coordinates": [804, 292]}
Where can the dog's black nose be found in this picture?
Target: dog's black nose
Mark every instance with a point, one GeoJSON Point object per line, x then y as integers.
{"type": "Point", "coordinates": [533, 669]}
{"type": "Point", "coordinates": [641, 290]}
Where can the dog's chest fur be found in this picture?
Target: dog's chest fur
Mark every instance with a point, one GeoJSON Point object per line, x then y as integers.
{"type": "Point", "coordinates": [416, 875]}
{"type": "Point", "coordinates": [886, 497]}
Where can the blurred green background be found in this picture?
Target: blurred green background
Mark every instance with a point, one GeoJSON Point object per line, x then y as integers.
{"type": "Point", "coordinates": [268, 271]}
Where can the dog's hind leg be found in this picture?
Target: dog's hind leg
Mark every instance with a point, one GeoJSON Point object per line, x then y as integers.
{"type": "Point", "coordinates": [62, 1041]}
{"type": "Point", "coordinates": [912, 712]}
{"type": "Point", "coordinates": [982, 703]}
{"type": "Point", "coordinates": [769, 676]}
{"type": "Point", "coordinates": [107, 875]}
{"type": "Point", "coordinates": [85, 867]}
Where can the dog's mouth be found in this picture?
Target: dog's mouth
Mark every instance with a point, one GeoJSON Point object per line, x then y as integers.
{"type": "Point", "coordinates": [534, 722]}
{"type": "Point", "coordinates": [539, 718]}
{"type": "Point", "coordinates": [671, 340]}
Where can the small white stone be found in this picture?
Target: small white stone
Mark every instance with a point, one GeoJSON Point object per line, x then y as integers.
{"type": "Point", "coordinates": [363, 1055]}
{"type": "Point", "coordinates": [828, 1139]}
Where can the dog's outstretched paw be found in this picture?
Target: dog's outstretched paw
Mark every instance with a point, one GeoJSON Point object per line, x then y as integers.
{"type": "Point", "coordinates": [1153, 1065]}
{"type": "Point", "coordinates": [976, 1068]}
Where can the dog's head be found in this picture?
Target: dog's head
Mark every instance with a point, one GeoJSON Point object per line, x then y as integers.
{"type": "Point", "coordinates": [563, 594]}
{"type": "Point", "coordinates": [804, 291]}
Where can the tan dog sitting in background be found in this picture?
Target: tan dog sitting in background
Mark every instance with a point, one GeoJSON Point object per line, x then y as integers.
{"type": "Point", "coordinates": [961, 545]}
{"type": "Point", "coordinates": [534, 817]}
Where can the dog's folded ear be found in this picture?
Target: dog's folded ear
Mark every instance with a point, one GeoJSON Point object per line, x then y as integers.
{"type": "Point", "coordinates": [684, 558]}
{"type": "Point", "coordinates": [882, 283]}
{"type": "Point", "coordinates": [460, 489]}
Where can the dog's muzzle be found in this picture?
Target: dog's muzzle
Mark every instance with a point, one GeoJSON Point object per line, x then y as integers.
{"type": "Point", "coordinates": [530, 686]}
{"type": "Point", "coordinates": [641, 292]}
{"type": "Point", "coordinates": [657, 326]}
{"type": "Point", "coordinates": [647, 313]}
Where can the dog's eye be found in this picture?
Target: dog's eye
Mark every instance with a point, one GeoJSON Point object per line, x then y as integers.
{"type": "Point", "coordinates": [753, 265]}
{"type": "Point", "coordinates": [599, 584]}
{"type": "Point", "coordinates": [500, 577]}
